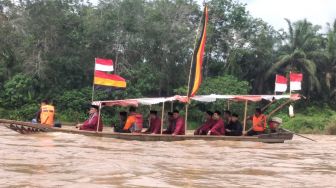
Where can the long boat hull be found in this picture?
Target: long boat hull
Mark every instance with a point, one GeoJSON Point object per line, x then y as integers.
{"type": "Point", "coordinates": [27, 127]}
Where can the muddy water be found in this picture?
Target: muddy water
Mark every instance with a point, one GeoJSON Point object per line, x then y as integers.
{"type": "Point", "coordinates": [66, 160]}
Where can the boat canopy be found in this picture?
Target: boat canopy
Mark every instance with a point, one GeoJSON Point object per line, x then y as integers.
{"type": "Point", "coordinates": [200, 98]}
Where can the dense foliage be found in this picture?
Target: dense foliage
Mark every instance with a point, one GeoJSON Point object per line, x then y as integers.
{"type": "Point", "coordinates": [47, 50]}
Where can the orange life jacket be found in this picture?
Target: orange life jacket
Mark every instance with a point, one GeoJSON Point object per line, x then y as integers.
{"type": "Point", "coordinates": [259, 123]}
{"type": "Point", "coordinates": [47, 115]}
{"type": "Point", "coordinates": [134, 119]}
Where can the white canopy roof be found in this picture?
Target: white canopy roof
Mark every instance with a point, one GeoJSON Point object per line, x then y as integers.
{"type": "Point", "coordinates": [200, 98]}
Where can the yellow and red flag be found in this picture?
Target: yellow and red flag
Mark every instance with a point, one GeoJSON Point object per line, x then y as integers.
{"type": "Point", "coordinates": [196, 66]}
{"type": "Point", "coordinates": [109, 80]}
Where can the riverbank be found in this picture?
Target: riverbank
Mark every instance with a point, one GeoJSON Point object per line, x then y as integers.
{"type": "Point", "coordinates": [313, 120]}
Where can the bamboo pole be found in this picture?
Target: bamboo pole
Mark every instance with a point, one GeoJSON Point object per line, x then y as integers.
{"type": "Point", "coordinates": [245, 114]}
{"type": "Point", "coordinates": [99, 117]}
{"type": "Point", "coordinates": [279, 107]}
{"type": "Point", "coordinates": [162, 116]}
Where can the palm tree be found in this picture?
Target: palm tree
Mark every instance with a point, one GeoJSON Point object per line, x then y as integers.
{"type": "Point", "coordinates": [330, 71]}
{"type": "Point", "coordinates": [297, 55]}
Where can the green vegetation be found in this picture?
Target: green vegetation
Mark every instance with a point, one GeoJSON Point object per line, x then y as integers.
{"type": "Point", "coordinates": [47, 50]}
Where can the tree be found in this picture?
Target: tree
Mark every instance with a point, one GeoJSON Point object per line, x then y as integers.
{"type": "Point", "coordinates": [302, 40]}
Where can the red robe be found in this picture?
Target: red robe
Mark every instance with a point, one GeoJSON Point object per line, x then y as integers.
{"type": "Point", "coordinates": [155, 126]}
{"type": "Point", "coordinates": [218, 128]}
{"type": "Point", "coordinates": [179, 126]}
{"type": "Point", "coordinates": [204, 129]}
{"type": "Point", "coordinates": [91, 123]}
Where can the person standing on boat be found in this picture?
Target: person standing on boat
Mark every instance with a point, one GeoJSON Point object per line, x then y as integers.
{"type": "Point", "coordinates": [203, 130]}
{"type": "Point", "coordinates": [155, 123]}
{"type": "Point", "coordinates": [47, 113]}
{"type": "Point", "coordinates": [234, 128]}
{"type": "Point", "coordinates": [218, 128]}
{"type": "Point", "coordinates": [179, 124]}
{"type": "Point", "coordinates": [92, 123]}
{"type": "Point", "coordinates": [171, 124]}
{"type": "Point", "coordinates": [258, 123]}
{"type": "Point", "coordinates": [134, 121]}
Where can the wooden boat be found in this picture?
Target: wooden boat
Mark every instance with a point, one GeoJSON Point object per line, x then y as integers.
{"type": "Point", "coordinates": [27, 127]}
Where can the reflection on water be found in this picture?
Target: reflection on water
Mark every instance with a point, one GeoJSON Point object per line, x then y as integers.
{"type": "Point", "coordinates": [67, 160]}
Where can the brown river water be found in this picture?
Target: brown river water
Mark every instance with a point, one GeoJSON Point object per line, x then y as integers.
{"type": "Point", "coordinates": [68, 160]}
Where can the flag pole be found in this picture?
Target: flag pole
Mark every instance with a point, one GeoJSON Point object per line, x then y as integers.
{"type": "Point", "coordinates": [93, 81]}
{"type": "Point", "coordinates": [191, 65]}
{"type": "Point", "coordinates": [290, 89]}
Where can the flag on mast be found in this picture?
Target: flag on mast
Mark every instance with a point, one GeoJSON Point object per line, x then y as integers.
{"type": "Point", "coordinates": [195, 78]}
{"type": "Point", "coordinates": [109, 80]}
{"type": "Point", "coordinates": [103, 65]}
{"type": "Point", "coordinates": [280, 83]}
{"type": "Point", "coordinates": [295, 81]}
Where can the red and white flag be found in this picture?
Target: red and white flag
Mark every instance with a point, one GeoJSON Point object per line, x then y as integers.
{"type": "Point", "coordinates": [295, 81]}
{"type": "Point", "coordinates": [280, 83]}
{"type": "Point", "coordinates": [105, 65]}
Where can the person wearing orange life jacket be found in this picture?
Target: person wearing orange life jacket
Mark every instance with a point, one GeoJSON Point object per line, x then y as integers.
{"type": "Point", "coordinates": [134, 121]}
{"type": "Point", "coordinates": [258, 123]}
{"type": "Point", "coordinates": [47, 113]}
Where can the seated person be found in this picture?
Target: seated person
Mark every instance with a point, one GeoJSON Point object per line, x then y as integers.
{"type": "Point", "coordinates": [122, 120]}
{"type": "Point", "coordinates": [258, 123]}
{"type": "Point", "coordinates": [155, 123]}
{"type": "Point", "coordinates": [234, 128]}
{"type": "Point", "coordinates": [179, 128]}
{"type": "Point", "coordinates": [227, 117]}
{"type": "Point", "coordinates": [134, 121]}
{"type": "Point", "coordinates": [218, 128]}
{"type": "Point", "coordinates": [274, 124]}
{"type": "Point", "coordinates": [92, 123]}
{"type": "Point", "coordinates": [209, 122]}
{"type": "Point", "coordinates": [171, 124]}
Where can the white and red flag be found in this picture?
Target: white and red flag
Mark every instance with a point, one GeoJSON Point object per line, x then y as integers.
{"type": "Point", "coordinates": [280, 83]}
{"type": "Point", "coordinates": [295, 81]}
{"type": "Point", "coordinates": [105, 65]}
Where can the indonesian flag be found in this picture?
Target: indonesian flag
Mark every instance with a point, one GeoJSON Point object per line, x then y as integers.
{"type": "Point", "coordinates": [280, 83]}
{"type": "Point", "coordinates": [105, 65]}
{"type": "Point", "coordinates": [109, 80]}
{"type": "Point", "coordinates": [295, 81]}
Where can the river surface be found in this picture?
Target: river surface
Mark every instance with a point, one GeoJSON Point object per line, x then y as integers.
{"type": "Point", "coordinates": [68, 160]}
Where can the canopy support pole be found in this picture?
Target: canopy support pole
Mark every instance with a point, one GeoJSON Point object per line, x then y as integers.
{"type": "Point", "coordinates": [228, 105]}
{"type": "Point", "coordinates": [172, 106]}
{"type": "Point", "coordinates": [98, 123]}
{"type": "Point", "coordinates": [186, 119]}
{"type": "Point", "coordinates": [162, 116]}
{"type": "Point", "coordinates": [245, 114]}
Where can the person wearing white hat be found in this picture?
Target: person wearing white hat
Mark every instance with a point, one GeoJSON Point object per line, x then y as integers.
{"type": "Point", "coordinates": [274, 124]}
